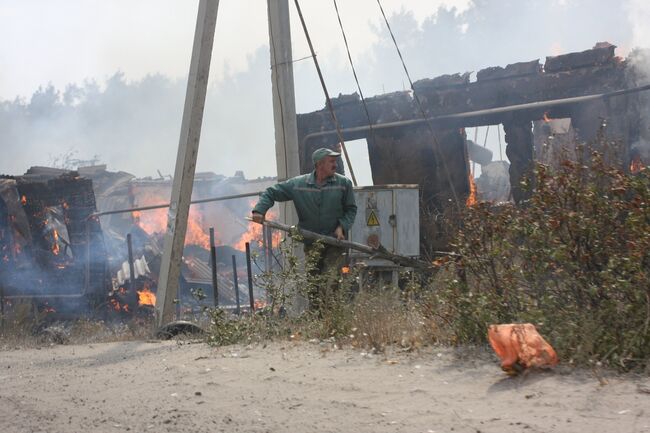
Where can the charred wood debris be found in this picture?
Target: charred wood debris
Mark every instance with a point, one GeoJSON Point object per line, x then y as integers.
{"type": "Point", "coordinates": [61, 259]}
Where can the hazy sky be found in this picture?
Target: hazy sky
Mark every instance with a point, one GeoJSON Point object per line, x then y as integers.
{"type": "Point", "coordinates": [64, 41]}
{"type": "Point", "coordinates": [135, 127]}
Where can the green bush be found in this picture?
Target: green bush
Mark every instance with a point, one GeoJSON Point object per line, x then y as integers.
{"type": "Point", "coordinates": [574, 260]}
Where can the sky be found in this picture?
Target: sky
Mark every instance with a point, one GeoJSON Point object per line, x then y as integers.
{"type": "Point", "coordinates": [130, 60]}
{"type": "Point", "coordinates": [63, 41]}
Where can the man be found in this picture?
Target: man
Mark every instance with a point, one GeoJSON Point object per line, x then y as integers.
{"type": "Point", "coordinates": [324, 201]}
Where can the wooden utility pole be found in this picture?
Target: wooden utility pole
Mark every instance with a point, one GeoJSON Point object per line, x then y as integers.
{"type": "Point", "coordinates": [284, 101]}
{"type": "Point", "coordinates": [188, 148]}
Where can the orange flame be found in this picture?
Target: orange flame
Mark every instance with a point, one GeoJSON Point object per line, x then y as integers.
{"type": "Point", "coordinates": [115, 304]}
{"type": "Point", "coordinates": [345, 270]}
{"type": "Point", "coordinates": [636, 165]}
{"type": "Point", "coordinates": [146, 297]}
{"type": "Point", "coordinates": [471, 199]}
{"type": "Point", "coordinates": [23, 200]}
{"type": "Point", "coordinates": [195, 234]}
{"type": "Point", "coordinates": [152, 221]}
{"type": "Point", "coordinates": [254, 233]}
{"type": "Point", "coordinates": [55, 244]}
{"type": "Point", "coordinates": [155, 221]}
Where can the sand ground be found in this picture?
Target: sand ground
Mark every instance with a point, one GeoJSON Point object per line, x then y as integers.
{"type": "Point", "coordinates": [301, 387]}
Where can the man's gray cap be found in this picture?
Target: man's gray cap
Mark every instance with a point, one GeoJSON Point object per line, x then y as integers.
{"type": "Point", "coordinates": [322, 153]}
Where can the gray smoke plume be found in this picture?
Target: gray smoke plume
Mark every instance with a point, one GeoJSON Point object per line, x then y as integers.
{"type": "Point", "coordinates": [134, 125]}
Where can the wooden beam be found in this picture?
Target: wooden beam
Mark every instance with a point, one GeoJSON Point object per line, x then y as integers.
{"type": "Point", "coordinates": [188, 148]}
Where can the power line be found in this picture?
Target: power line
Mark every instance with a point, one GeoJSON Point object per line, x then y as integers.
{"type": "Point", "coordinates": [327, 96]}
{"type": "Point", "coordinates": [354, 71]}
{"type": "Point", "coordinates": [421, 108]}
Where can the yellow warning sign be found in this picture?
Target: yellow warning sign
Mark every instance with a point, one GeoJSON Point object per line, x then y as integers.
{"type": "Point", "coordinates": [372, 219]}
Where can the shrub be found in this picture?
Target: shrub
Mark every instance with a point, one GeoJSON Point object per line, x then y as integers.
{"type": "Point", "coordinates": [574, 260]}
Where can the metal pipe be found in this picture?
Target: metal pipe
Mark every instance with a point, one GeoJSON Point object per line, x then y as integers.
{"type": "Point", "coordinates": [373, 252]}
{"type": "Point", "coordinates": [249, 270]}
{"type": "Point", "coordinates": [213, 265]}
{"type": "Point", "coordinates": [235, 283]}
{"type": "Point", "coordinates": [129, 246]}
{"type": "Point", "coordinates": [478, 113]}
{"type": "Point", "coordinates": [161, 206]}
{"type": "Point", "coordinates": [265, 249]}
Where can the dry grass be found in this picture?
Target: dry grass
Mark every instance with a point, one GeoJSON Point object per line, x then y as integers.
{"type": "Point", "coordinates": [384, 319]}
{"type": "Point", "coordinates": [26, 331]}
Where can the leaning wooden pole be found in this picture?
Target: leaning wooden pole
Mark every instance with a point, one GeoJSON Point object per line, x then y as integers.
{"type": "Point", "coordinates": [188, 148]}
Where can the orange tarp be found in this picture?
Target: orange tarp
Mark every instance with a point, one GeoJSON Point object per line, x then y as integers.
{"type": "Point", "coordinates": [520, 346]}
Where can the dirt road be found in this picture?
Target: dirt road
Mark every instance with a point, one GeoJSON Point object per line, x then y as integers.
{"type": "Point", "coordinates": [300, 387]}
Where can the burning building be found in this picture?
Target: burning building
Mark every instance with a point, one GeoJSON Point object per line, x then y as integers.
{"type": "Point", "coordinates": [63, 239]}
{"type": "Point", "coordinates": [575, 93]}
{"type": "Point", "coordinates": [63, 233]}
{"type": "Point", "coordinates": [52, 247]}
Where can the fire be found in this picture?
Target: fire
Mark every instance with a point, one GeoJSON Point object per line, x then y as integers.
{"type": "Point", "coordinates": [471, 199]}
{"type": "Point", "coordinates": [254, 233]}
{"type": "Point", "coordinates": [259, 304]}
{"type": "Point", "coordinates": [636, 165]}
{"type": "Point", "coordinates": [195, 234]}
{"type": "Point", "coordinates": [152, 221]}
{"type": "Point", "coordinates": [115, 304]}
{"type": "Point", "coordinates": [55, 244]}
{"type": "Point", "coordinates": [23, 200]}
{"type": "Point", "coordinates": [146, 297]}
{"type": "Point", "coordinates": [155, 222]}
{"type": "Point", "coordinates": [345, 270]}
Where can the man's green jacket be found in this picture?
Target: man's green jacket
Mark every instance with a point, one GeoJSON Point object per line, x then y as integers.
{"type": "Point", "coordinates": [320, 208]}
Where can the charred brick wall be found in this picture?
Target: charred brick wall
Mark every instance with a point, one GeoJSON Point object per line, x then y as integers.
{"type": "Point", "coordinates": [405, 152]}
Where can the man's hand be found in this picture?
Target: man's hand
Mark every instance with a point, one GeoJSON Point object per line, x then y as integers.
{"type": "Point", "coordinates": [339, 233]}
{"type": "Point", "coordinates": [258, 217]}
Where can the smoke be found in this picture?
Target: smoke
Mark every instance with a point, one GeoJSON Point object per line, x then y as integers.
{"type": "Point", "coordinates": [134, 125]}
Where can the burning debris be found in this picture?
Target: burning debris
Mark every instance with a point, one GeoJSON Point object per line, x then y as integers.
{"type": "Point", "coordinates": [541, 107]}
{"type": "Point", "coordinates": [55, 252]}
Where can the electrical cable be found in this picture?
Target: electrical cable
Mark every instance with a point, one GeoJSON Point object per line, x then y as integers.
{"type": "Point", "coordinates": [421, 108]}
{"type": "Point", "coordinates": [327, 96]}
{"type": "Point", "coordinates": [354, 71]}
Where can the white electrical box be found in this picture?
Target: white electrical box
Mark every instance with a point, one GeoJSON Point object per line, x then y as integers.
{"type": "Point", "coordinates": [387, 215]}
